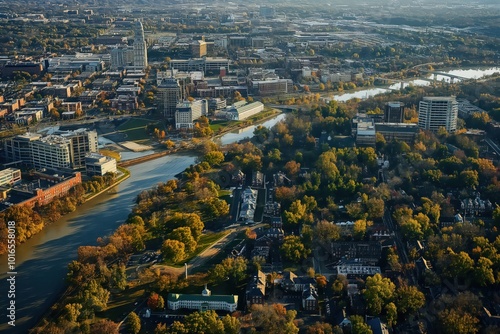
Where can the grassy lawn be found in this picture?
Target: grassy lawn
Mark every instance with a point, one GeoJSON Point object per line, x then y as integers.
{"type": "Point", "coordinates": [135, 128]}
{"type": "Point", "coordinates": [226, 196]}
{"type": "Point", "coordinates": [205, 241]}
{"type": "Point", "coordinates": [122, 302]}
{"type": "Point", "coordinates": [219, 125]}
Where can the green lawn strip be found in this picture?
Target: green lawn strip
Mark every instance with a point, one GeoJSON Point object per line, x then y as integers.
{"type": "Point", "coordinates": [222, 254]}
{"type": "Point", "coordinates": [205, 241]}
{"type": "Point", "coordinates": [122, 303]}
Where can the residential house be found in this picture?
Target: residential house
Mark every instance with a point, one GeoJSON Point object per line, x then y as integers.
{"type": "Point", "coordinates": [292, 282]}
{"type": "Point", "coordinates": [310, 299]}
{"type": "Point", "coordinates": [256, 289]}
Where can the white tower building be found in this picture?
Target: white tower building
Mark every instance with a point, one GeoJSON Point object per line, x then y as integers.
{"type": "Point", "coordinates": [140, 49]}
{"type": "Point", "coordinates": [436, 112]}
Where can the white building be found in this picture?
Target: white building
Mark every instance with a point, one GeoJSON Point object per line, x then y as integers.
{"type": "Point", "coordinates": [437, 112]}
{"type": "Point", "coordinates": [122, 57]}
{"type": "Point", "coordinates": [248, 204]}
{"type": "Point", "coordinates": [189, 111]}
{"type": "Point", "coordinates": [98, 165]}
{"type": "Point", "coordinates": [203, 302]}
{"type": "Point", "coordinates": [140, 49]}
{"type": "Point", "coordinates": [51, 152]}
{"type": "Point", "coordinates": [238, 112]}
{"type": "Point", "coordinates": [9, 176]}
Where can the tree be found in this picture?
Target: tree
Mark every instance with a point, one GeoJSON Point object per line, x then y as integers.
{"type": "Point", "coordinates": [409, 299]}
{"type": "Point", "coordinates": [72, 311]}
{"type": "Point", "coordinates": [379, 292]}
{"type": "Point", "coordinates": [359, 326]}
{"type": "Point", "coordinates": [296, 213]}
{"type": "Point", "coordinates": [207, 322]}
{"type": "Point", "coordinates": [173, 250]}
{"type": "Point", "coordinates": [233, 268]}
{"type": "Point", "coordinates": [231, 324]}
{"type": "Point", "coordinates": [324, 232]}
{"type": "Point", "coordinates": [455, 322]}
{"type": "Point", "coordinates": [320, 328]}
{"type": "Point", "coordinates": [183, 234]}
{"type": "Point", "coordinates": [93, 297]}
{"type": "Point", "coordinates": [155, 301]}
{"type": "Point", "coordinates": [457, 265]}
{"type": "Point", "coordinates": [391, 314]}
{"type": "Point", "coordinates": [133, 323]}
{"type": "Point", "coordinates": [293, 249]}
{"type": "Point", "coordinates": [469, 178]}
{"type": "Point", "coordinates": [104, 326]}
{"type": "Point", "coordinates": [214, 158]}
{"type": "Point", "coordinates": [411, 229]}
{"type": "Point", "coordinates": [483, 272]}
{"type": "Point", "coordinates": [360, 227]}
{"type": "Point", "coordinates": [118, 277]}
{"type": "Point", "coordinates": [191, 220]}
{"type": "Point", "coordinates": [321, 281]}
{"type": "Point", "coordinates": [274, 319]}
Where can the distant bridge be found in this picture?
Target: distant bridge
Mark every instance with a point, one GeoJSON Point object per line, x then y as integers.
{"type": "Point", "coordinates": [444, 74]}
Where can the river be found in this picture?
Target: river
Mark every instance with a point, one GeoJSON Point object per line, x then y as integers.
{"type": "Point", "coordinates": [41, 262]}
{"type": "Point", "coordinates": [465, 73]}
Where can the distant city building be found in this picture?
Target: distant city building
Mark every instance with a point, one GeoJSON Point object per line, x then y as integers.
{"type": "Point", "coordinates": [267, 11]}
{"type": "Point", "coordinates": [198, 49]}
{"type": "Point", "coordinates": [394, 112]}
{"type": "Point", "coordinates": [189, 111]}
{"type": "Point", "coordinates": [437, 112]}
{"type": "Point", "coordinates": [205, 301]}
{"type": "Point", "coordinates": [140, 48]}
{"type": "Point", "coordinates": [270, 87]}
{"type": "Point", "coordinates": [206, 64]}
{"type": "Point", "coordinates": [168, 96]}
{"type": "Point", "coordinates": [397, 131]}
{"type": "Point", "coordinates": [99, 165]}
{"type": "Point", "coordinates": [122, 56]}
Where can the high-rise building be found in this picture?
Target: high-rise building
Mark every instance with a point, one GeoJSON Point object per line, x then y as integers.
{"type": "Point", "coordinates": [122, 57]}
{"type": "Point", "coordinates": [394, 112]}
{"type": "Point", "coordinates": [66, 149]}
{"type": "Point", "coordinates": [169, 95]}
{"type": "Point", "coordinates": [189, 111]}
{"type": "Point", "coordinates": [436, 112]}
{"type": "Point", "coordinates": [140, 49]}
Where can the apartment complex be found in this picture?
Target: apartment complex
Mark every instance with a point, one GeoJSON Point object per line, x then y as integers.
{"type": "Point", "coordinates": [438, 112]}
{"type": "Point", "coordinates": [65, 149]}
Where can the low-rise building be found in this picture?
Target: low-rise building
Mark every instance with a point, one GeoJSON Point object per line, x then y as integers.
{"type": "Point", "coordinates": [99, 165]}
{"type": "Point", "coordinates": [239, 113]}
{"type": "Point", "coordinates": [9, 176]}
{"type": "Point", "coordinates": [248, 204]}
{"type": "Point", "coordinates": [256, 289]}
{"type": "Point", "coordinates": [205, 301]}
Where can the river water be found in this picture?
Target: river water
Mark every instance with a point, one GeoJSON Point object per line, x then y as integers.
{"type": "Point", "coordinates": [41, 262]}
{"type": "Point", "coordinates": [465, 73]}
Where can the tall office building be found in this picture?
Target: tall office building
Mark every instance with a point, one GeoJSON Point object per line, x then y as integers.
{"type": "Point", "coordinates": [122, 57]}
{"type": "Point", "coordinates": [437, 112]}
{"type": "Point", "coordinates": [394, 112]}
{"type": "Point", "coordinates": [169, 95]}
{"type": "Point", "coordinates": [140, 49]}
